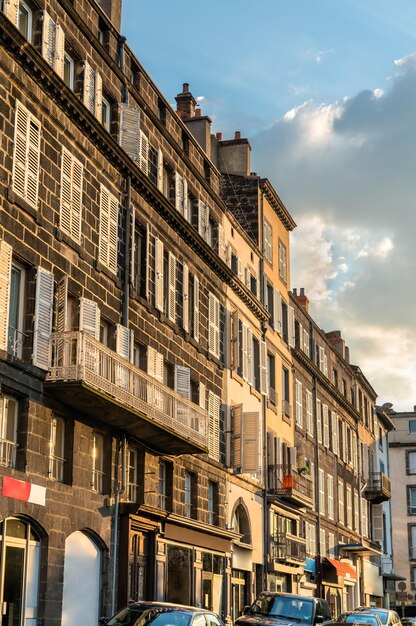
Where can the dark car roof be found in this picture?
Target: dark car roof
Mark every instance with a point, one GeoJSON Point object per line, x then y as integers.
{"type": "Point", "coordinates": [142, 604]}
{"type": "Point", "coordinates": [273, 594]}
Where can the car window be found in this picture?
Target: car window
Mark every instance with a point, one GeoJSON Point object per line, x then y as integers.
{"type": "Point", "coordinates": [296, 609]}
{"type": "Point", "coordinates": [361, 619]}
{"type": "Point", "coordinates": [199, 620]}
{"type": "Point", "coordinates": [212, 620]}
{"type": "Point", "coordinates": [156, 616]}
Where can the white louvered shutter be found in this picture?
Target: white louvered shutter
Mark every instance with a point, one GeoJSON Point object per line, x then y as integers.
{"type": "Point", "coordinates": [247, 277]}
{"type": "Point", "coordinates": [26, 155]}
{"type": "Point", "coordinates": [179, 192]}
{"type": "Point", "coordinates": [334, 429]}
{"type": "Point", "coordinates": [48, 38]}
{"type": "Point", "coordinates": [196, 308]}
{"type": "Point", "coordinates": [171, 308]}
{"type": "Point", "coordinates": [240, 269]}
{"type": "Point", "coordinates": [221, 243]}
{"type": "Point", "coordinates": [147, 268]}
{"type": "Point", "coordinates": [104, 226]}
{"type": "Point", "coordinates": [202, 219]}
{"type": "Point", "coordinates": [244, 350]}
{"type": "Point", "coordinates": [377, 526]}
{"type": "Point", "coordinates": [130, 130]}
{"type": "Point", "coordinates": [214, 404]}
{"type": "Point", "coordinates": [214, 325]}
{"type": "Point", "coordinates": [291, 326]}
{"type": "Point", "coordinates": [5, 279]}
{"type": "Point", "coordinates": [98, 96]}
{"type": "Point", "coordinates": [263, 369]}
{"type": "Point", "coordinates": [202, 396]}
{"type": "Point", "coordinates": [160, 170]}
{"type": "Point", "coordinates": [277, 311]}
{"type": "Point", "coordinates": [11, 10]}
{"type": "Point", "coordinates": [228, 254]}
{"type": "Point", "coordinates": [185, 298]}
{"type": "Point", "coordinates": [71, 195]}
{"type": "Point", "coordinates": [319, 420]}
{"type": "Point", "coordinates": [113, 235]}
{"type": "Point", "coordinates": [250, 364]}
{"type": "Point", "coordinates": [124, 341]}
{"type": "Point", "coordinates": [144, 153]}
{"type": "Point", "coordinates": [76, 200]}
{"type": "Point", "coordinates": [158, 274]}
{"type": "Point", "coordinates": [151, 361]}
{"type": "Point", "coordinates": [306, 348]}
{"type": "Point", "coordinates": [62, 305]}
{"type": "Point", "coordinates": [326, 425]}
{"type": "Point", "coordinates": [235, 347]}
{"type": "Point", "coordinates": [183, 381]}
{"type": "Point", "coordinates": [88, 93]}
{"type": "Point", "coordinates": [58, 62]}
{"type": "Point", "coordinates": [250, 443]}
{"type": "Point", "coordinates": [185, 200]}
{"type": "Point", "coordinates": [43, 319]}
{"type": "Point", "coordinates": [236, 439]}
{"type": "Point", "coordinates": [89, 317]}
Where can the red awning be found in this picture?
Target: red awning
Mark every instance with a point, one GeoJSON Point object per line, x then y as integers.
{"type": "Point", "coordinates": [343, 569]}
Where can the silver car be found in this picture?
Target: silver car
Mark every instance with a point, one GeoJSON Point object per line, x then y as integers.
{"type": "Point", "coordinates": [387, 617]}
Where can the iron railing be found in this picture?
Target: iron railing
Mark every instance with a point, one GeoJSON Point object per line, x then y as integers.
{"type": "Point", "coordinates": [290, 482]}
{"type": "Point", "coordinates": [284, 547]}
{"type": "Point", "coordinates": [8, 453]}
{"type": "Point", "coordinates": [378, 485]}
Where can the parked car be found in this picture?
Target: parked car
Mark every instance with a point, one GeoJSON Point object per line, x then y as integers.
{"type": "Point", "coordinates": [162, 614]}
{"type": "Point", "coordinates": [408, 621]}
{"type": "Point", "coordinates": [359, 617]}
{"type": "Point", "coordinates": [387, 617]}
{"type": "Point", "coordinates": [285, 608]}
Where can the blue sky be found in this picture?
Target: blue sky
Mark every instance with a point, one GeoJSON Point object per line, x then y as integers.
{"type": "Point", "coordinates": [326, 93]}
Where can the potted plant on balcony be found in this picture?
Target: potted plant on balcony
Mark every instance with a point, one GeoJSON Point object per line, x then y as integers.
{"type": "Point", "coordinates": [304, 470]}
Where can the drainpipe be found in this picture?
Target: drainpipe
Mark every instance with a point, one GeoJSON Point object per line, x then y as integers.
{"type": "Point", "coordinates": [318, 556]}
{"type": "Point", "coordinates": [360, 512]}
{"type": "Point", "coordinates": [119, 490]}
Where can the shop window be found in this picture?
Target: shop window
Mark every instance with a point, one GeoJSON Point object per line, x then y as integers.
{"type": "Point", "coordinates": [179, 575]}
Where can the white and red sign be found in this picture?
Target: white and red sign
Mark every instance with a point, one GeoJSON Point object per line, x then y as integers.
{"type": "Point", "coordinates": [21, 490]}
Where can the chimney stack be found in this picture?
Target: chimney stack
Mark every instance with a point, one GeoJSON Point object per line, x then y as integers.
{"type": "Point", "coordinates": [234, 155]}
{"type": "Point", "coordinates": [302, 298]}
{"type": "Point", "coordinates": [185, 103]}
{"type": "Point", "coordinates": [334, 337]}
{"type": "Point", "coordinates": [112, 8]}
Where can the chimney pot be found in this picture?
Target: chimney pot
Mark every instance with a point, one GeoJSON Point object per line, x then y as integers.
{"type": "Point", "coordinates": [237, 134]}
{"type": "Point", "coordinates": [198, 112]}
{"type": "Point", "coordinates": [302, 291]}
{"type": "Point", "coordinates": [185, 87]}
{"type": "Point", "coordinates": [219, 136]}
{"type": "Point", "coordinates": [295, 292]}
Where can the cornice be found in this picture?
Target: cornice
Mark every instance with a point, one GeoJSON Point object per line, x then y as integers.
{"type": "Point", "coordinates": [55, 88]}
{"type": "Point", "coordinates": [277, 204]}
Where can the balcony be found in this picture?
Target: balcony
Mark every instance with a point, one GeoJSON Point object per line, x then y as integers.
{"type": "Point", "coordinates": [94, 380]}
{"type": "Point", "coordinates": [291, 485]}
{"type": "Point", "coordinates": [8, 453]}
{"type": "Point", "coordinates": [378, 488]}
{"type": "Point", "coordinates": [286, 548]}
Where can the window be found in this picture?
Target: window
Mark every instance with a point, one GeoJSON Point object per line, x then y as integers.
{"type": "Point", "coordinates": [107, 252]}
{"type": "Point", "coordinates": [24, 20]}
{"type": "Point", "coordinates": [330, 485]}
{"type": "Point", "coordinates": [8, 430]}
{"type": "Point", "coordinates": [69, 71]}
{"type": "Point", "coordinates": [26, 155]}
{"type": "Point", "coordinates": [282, 262]}
{"type": "Point", "coordinates": [299, 406]}
{"type": "Point", "coordinates": [411, 500]}
{"type": "Point", "coordinates": [132, 474]}
{"type": "Point", "coordinates": [140, 259]}
{"type": "Point", "coordinates": [105, 113]}
{"type": "Point", "coordinates": [165, 485]}
{"type": "Point", "coordinates": [335, 377]}
{"type": "Point", "coordinates": [268, 242]}
{"type": "Point", "coordinates": [15, 333]}
{"type": "Point", "coordinates": [71, 195]}
{"type": "Point", "coordinates": [214, 326]}
{"type": "Point", "coordinates": [349, 506]}
{"type": "Point", "coordinates": [412, 541]}
{"type": "Point", "coordinates": [341, 510]}
{"type": "Point", "coordinates": [411, 462]}
{"type": "Point", "coordinates": [321, 492]}
{"type": "Point", "coordinates": [286, 392]}
{"type": "Point", "coordinates": [153, 165]}
{"type": "Point", "coordinates": [271, 373]}
{"type": "Point", "coordinates": [213, 493]}
{"type": "Point", "coordinates": [98, 463]}
{"type": "Point", "coordinates": [412, 427]}
{"type": "Point", "coordinates": [190, 495]}
{"type": "Point", "coordinates": [309, 414]}
{"type": "Point", "coordinates": [56, 449]}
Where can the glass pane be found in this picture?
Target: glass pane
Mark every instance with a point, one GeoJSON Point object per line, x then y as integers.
{"type": "Point", "coordinates": [179, 584]}
{"type": "Point", "coordinates": [23, 20]}
{"type": "Point", "coordinates": [13, 585]}
{"type": "Point", "coordinates": [15, 528]}
{"type": "Point", "coordinates": [14, 310]}
{"type": "Point", "coordinates": [9, 425]}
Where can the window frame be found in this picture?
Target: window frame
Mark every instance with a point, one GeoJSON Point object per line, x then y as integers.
{"type": "Point", "coordinates": [69, 63]}
{"type": "Point", "coordinates": [29, 29]}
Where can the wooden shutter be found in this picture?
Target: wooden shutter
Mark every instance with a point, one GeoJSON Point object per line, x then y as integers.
{"type": "Point", "coordinates": [88, 93]}
{"type": "Point", "coordinates": [62, 305]}
{"type": "Point", "coordinates": [240, 269]}
{"type": "Point", "coordinates": [59, 59]}
{"type": "Point", "coordinates": [250, 443]}
{"type": "Point", "coordinates": [319, 420]}
{"type": "Point", "coordinates": [277, 311]}
{"type": "Point", "coordinates": [185, 200]}
{"type": "Point", "coordinates": [147, 268]}
{"type": "Point", "coordinates": [144, 153]}
{"type": "Point", "coordinates": [214, 404]}
{"type": "Point", "coordinates": [179, 205]}
{"type": "Point", "coordinates": [158, 274]}
{"type": "Point", "coordinates": [108, 230]}
{"type": "Point", "coordinates": [43, 318]}
{"type": "Point", "coordinates": [89, 317]}
{"type": "Point", "coordinates": [71, 195]}
{"type": "Point", "coordinates": [221, 242]}
{"type": "Point", "coordinates": [76, 200]}
{"type": "Point", "coordinates": [113, 234]}
{"type": "Point", "coordinates": [183, 381]}
{"type": "Point", "coordinates": [155, 363]}
{"type": "Point", "coordinates": [171, 308]}
{"type": "Point", "coordinates": [26, 155]}
{"type": "Point", "coordinates": [236, 429]}
{"type": "Point", "coordinates": [124, 341]}
{"type": "Point", "coordinates": [48, 38]}
{"type": "Point", "coordinates": [326, 425]}
{"type": "Point", "coordinates": [5, 280]}
{"type": "Point", "coordinates": [11, 10]}
{"type": "Point", "coordinates": [202, 208]}
{"type": "Point", "coordinates": [247, 277]}
{"type": "Point", "coordinates": [185, 298]}
{"type": "Point", "coordinates": [214, 325]}
{"type": "Point", "coordinates": [98, 96]}
{"type": "Point", "coordinates": [130, 130]}
{"type": "Point", "coordinates": [202, 396]}
{"type": "Point", "coordinates": [291, 326]}
{"type": "Point", "coordinates": [377, 511]}
{"type": "Point", "coordinates": [334, 428]}
{"type": "Point", "coordinates": [249, 353]}
{"type": "Point", "coordinates": [235, 348]}
{"type": "Point", "coordinates": [196, 308]}
{"type": "Point", "coordinates": [263, 369]}
{"type": "Point", "coordinates": [160, 170]}
{"type": "Point", "coordinates": [244, 350]}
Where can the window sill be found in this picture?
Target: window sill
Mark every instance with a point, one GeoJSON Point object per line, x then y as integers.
{"type": "Point", "coordinates": [272, 406]}
{"type": "Point", "coordinates": [21, 202]}
{"type": "Point", "coordinates": [66, 239]}
{"type": "Point", "coordinates": [254, 392]}
{"type": "Point", "coordinates": [237, 377]}
{"type": "Point", "coordinates": [104, 270]}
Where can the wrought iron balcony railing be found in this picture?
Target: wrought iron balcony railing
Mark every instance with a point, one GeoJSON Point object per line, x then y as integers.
{"type": "Point", "coordinates": [378, 487]}
{"type": "Point", "coordinates": [8, 453]}
{"type": "Point", "coordinates": [286, 548]}
{"type": "Point", "coordinates": [91, 377]}
{"type": "Point", "coordinates": [290, 483]}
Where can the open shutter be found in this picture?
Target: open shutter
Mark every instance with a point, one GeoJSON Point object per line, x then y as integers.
{"type": "Point", "coordinates": [250, 360]}
{"type": "Point", "coordinates": [185, 200]}
{"type": "Point", "coordinates": [160, 170]}
{"type": "Point", "coordinates": [202, 219]}
{"type": "Point", "coordinates": [98, 96]}
{"type": "Point", "coordinates": [377, 511]}
{"type": "Point", "coordinates": [326, 425]}
{"type": "Point", "coordinates": [130, 130]}
{"type": "Point", "coordinates": [113, 234]}
{"type": "Point", "coordinates": [250, 443]}
{"type": "Point", "coordinates": [277, 311]}
{"type": "Point", "coordinates": [158, 274]}
{"type": "Point", "coordinates": [183, 381]}
{"type": "Point", "coordinates": [59, 59]}
{"type": "Point", "coordinates": [247, 277]}
{"type": "Point", "coordinates": [66, 191]}
{"type": "Point", "coordinates": [236, 428]}
{"type": "Point", "coordinates": [89, 317]}
{"type": "Point", "coordinates": [124, 341]}
{"type": "Point", "coordinates": [235, 348]}
{"type": "Point", "coordinates": [5, 279]}
{"type": "Point", "coordinates": [88, 93]}
{"type": "Point", "coordinates": [76, 206]}
{"type": "Point", "coordinates": [263, 368]}
{"type": "Point", "coordinates": [244, 350]}
{"type": "Point", "coordinates": [48, 38]}
{"type": "Point", "coordinates": [214, 403]}
{"type": "Point", "coordinates": [33, 158]}
{"type": "Point", "coordinates": [155, 363]}
{"type": "Point", "coordinates": [62, 305]}
{"type": "Point", "coordinates": [172, 288]}
{"type": "Point", "coordinates": [196, 308]}
{"type": "Point", "coordinates": [43, 318]}
{"type": "Point", "coordinates": [147, 268]}
{"type": "Point", "coordinates": [291, 326]}
{"type": "Point", "coordinates": [179, 196]}
{"type": "Point", "coordinates": [214, 325]}
{"type": "Point", "coordinates": [185, 298]}
{"type": "Point", "coordinates": [133, 251]}
{"type": "Point", "coordinates": [104, 226]}
{"type": "Point", "coordinates": [11, 10]}
{"type": "Point", "coordinates": [221, 243]}
{"type": "Point", "coordinates": [240, 269]}
{"type": "Point", "coordinates": [144, 153]}
{"type": "Point", "coordinates": [202, 396]}
{"type": "Point", "coordinates": [22, 117]}
{"type": "Point", "coordinates": [334, 429]}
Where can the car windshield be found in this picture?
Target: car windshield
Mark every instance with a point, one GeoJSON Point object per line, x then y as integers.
{"type": "Point", "coordinates": [383, 615]}
{"type": "Point", "coordinates": [157, 616]}
{"type": "Point", "coordinates": [295, 609]}
{"type": "Point", "coordinates": [361, 618]}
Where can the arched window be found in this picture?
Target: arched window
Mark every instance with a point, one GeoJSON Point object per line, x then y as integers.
{"type": "Point", "coordinates": [241, 524]}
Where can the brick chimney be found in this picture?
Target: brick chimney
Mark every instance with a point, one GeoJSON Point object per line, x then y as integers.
{"type": "Point", "coordinates": [185, 103]}
{"type": "Point", "coordinates": [112, 8]}
{"type": "Point", "coordinates": [234, 155]}
{"type": "Point", "coordinates": [301, 298]}
{"type": "Point", "coordinates": [335, 339]}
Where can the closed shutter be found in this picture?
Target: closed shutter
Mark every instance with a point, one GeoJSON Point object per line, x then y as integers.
{"type": "Point", "coordinates": [5, 279]}
{"type": "Point", "coordinates": [11, 10]}
{"type": "Point", "coordinates": [221, 243]}
{"type": "Point", "coordinates": [250, 360]}
{"type": "Point", "coordinates": [59, 59]}
{"type": "Point", "coordinates": [277, 311]}
{"type": "Point", "coordinates": [250, 443]}
{"type": "Point", "coordinates": [291, 326]}
{"type": "Point", "coordinates": [124, 341]}
{"type": "Point", "coordinates": [155, 364]}
{"type": "Point", "coordinates": [202, 396]}
{"type": "Point", "coordinates": [158, 274]}
{"type": "Point", "coordinates": [214, 404]}
{"type": "Point", "coordinates": [263, 368]}
{"type": "Point", "coordinates": [71, 195]}
{"type": "Point", "coordinates": [88, 93]}
{"type": "Point", "coordinates": [147, 268]}
{"type": "Point", "coordinates": [130, 130]}
{"type": "Point", "coordinates": [334, 429]}
{"type": "Point", "coordinates": [185, 298]}
{"type": "Point", "coordinates": [196, 308]}
{"type": "Point", "coordinates": [62, 305]}
{"type": "Point", "coordinates": [48, 38]}
{"type": "Point", "coordinates": [377, 511]}
{"type": "Point", "coordinates": [202, 209]}
{"type": "Point", "coordinates": [183, 381]}
{"type": "Point", "coordinates": [214, 325]}
{"type": "Point", "coordinates": [26, 155]}
{"type": "Point", "coordinates": [98, 96]}
{"type": "Point", "coordinates": [144, 153]}
{"type": "Point", "coordinates": [179, 195]}
{"type": "Point", "coordinates": [43, 318]}
{"type": "Point", "coordinates": [76, 204]}
{"type": "Point", "coordinates": [89, 317]}
{"type": "Point", "coordinates": [160, 170]}
{"type": "Point", "coordinates": [326, 425]}
{"type": "Point", "coordinates": [171, 308]}
{"type": "Point", "coordinates": [235, 349]}
{"type": "Point", "coordinates": [185, 200]}
{"type": "Point", "coordinates": [236, 430]}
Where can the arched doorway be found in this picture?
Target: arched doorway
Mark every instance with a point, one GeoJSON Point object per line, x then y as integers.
{"type": "Point", "coordinates": [20, 558]}
{"type": "Point", "coordinates": [81, 596]}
